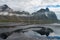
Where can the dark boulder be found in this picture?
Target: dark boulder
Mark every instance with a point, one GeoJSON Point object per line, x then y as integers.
{"type": "Point", "coordinates": [45, 31]}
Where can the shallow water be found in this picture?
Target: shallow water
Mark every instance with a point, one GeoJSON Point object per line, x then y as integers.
{"type": "Point", "coordinates": [33, 35]}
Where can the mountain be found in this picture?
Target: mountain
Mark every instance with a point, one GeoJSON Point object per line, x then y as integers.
{"type": "Point", "coordinates": [45, 14]}
{"type": "Point", "coordinates": [5, 8]}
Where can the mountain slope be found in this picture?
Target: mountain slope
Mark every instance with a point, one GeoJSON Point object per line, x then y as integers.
{"type": "Point", "coordinates": [5, 8]}
{"type": "Point", "coordinates": [45, 14]}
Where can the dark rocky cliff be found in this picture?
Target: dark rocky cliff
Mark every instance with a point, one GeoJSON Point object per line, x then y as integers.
{"type": "Point", "coordinates": [45, 14]}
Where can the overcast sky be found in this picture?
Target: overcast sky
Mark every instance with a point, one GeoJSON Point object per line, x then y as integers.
{"type": "Point", "coordinates": [33, 5]}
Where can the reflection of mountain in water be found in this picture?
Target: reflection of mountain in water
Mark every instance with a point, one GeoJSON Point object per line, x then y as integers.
{"type": "Point", "coordinates": [33, 34]}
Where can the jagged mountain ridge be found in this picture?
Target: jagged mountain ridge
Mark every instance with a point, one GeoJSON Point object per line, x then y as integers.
{"type": "Point", "coordinates": [45, 14]}
{"type": "Point", "coordinates": [5, 8]}
{"type": "Point", "coordinates": [39, 15]}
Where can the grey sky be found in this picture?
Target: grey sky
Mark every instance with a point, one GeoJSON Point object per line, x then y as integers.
{"type": "Point", "coordinates": [28, 5]}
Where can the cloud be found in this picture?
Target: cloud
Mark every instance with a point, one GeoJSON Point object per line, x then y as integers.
{"type": "Point", "coordinates": [28, 5]}
{"type": "Point", "coordinates": [24, 5]}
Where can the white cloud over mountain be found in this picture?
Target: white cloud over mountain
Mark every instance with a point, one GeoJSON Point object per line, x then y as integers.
{"type": "Point", "coordinates": [31, 5]}
{"type": "Point", "coordinates": [28, 5]}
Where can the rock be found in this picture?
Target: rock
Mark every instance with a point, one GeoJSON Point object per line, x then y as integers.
{"type": "Point", "coordinates": [45, 14]}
